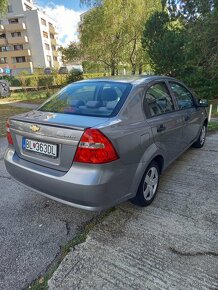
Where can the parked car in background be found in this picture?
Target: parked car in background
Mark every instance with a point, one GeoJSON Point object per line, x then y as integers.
{"type": "Point", "coordinates": [47, 71]}
{"type": "Point", "coordinates": [100, 142]}
{"type": "Point", "coordinates": [63, 70]}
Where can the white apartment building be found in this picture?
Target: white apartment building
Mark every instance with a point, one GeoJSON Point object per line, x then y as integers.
{"type": "Point", "coordinates": [28, 38]}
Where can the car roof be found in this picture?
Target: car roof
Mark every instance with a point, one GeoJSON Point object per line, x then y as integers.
{"type": "Point", "coordinates": [134, 80]}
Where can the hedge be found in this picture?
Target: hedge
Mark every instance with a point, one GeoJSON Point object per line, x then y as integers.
{"type": "Point", "coordinates": [49, 80]}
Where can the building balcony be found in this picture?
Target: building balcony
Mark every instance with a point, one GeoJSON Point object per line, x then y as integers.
{"type": "Point", "coordinates": [3, 42]}
{"type": "Point", "coordinates": [54, 41]}
{"type": "Point", "coordinates": [2, 29]}
{"type": "Point", "coordinates": [56, 64]}
{"type": "Point", "coordinates": [16, 53]}
{"type": "Point", "coordinates": [52, 29]}
{"type": "Point", "coordinates": [18, 40]}
{"type": "Point", "coordinates": [22, 65]}
{"type": "Point", "coordinates": [55, 53]}
{"type": "Point", "coordinates": [15, 27]}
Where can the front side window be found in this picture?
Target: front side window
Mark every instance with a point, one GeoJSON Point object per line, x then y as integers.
{"type": "Point", "coordinates": [183, 96]}
{"type": "Point", "coordinates": [158, 100]}
{"type": "Point", "coordinates": [89, 99]}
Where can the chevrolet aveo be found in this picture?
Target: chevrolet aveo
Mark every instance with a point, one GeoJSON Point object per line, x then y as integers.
{"type": "Point", "coordinates": [100, 142]}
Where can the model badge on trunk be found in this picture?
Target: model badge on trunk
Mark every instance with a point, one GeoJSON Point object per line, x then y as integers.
{"type": "Point", "coordinates": [35, 128]}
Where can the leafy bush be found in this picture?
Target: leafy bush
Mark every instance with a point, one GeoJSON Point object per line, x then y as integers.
{"type": "Point", "coordinates": [60, 79]}
{"type": "Point", "coordinates": [204, 81]}
{"type": "Point", "coordinates": [45, 81]}
{"type": "Point", "coordinates": [74, 76]}
{"type": "Point", "coordinates": [94, 75]}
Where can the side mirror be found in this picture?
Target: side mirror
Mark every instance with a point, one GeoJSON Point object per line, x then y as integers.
{"type": "Point", "coordinates": [203, 103]}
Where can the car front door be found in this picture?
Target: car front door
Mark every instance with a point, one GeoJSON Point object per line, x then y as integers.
{"type": "Point", "coordinates": [191, 114]}
{"type": "Point", "coordinates": [166, 123]}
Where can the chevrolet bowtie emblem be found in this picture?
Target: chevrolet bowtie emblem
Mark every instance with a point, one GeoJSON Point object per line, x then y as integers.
{"type": "Point", "coordinates": [35, 128]}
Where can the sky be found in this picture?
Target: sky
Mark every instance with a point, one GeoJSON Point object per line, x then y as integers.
{"type": "Point", "coordinates": [66, 13]}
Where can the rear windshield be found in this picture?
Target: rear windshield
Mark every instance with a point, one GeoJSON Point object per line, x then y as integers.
{"type": "Point", "coordinates": [89, 99]}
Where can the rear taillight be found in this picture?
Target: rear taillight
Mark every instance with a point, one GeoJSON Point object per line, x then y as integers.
{"type": "Point", "coordinates": [94, 147]}
{"type": "Point", "coordinates": [10, 140]}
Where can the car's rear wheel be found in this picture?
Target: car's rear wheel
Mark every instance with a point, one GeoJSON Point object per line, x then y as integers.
{"type": "Point", "coordinates": [148, 186]}
{"type": "Point", "coordinates": [202, 137]}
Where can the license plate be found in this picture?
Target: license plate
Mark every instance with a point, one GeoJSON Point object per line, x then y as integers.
{"type": "Point", "coordinates": [40, 147]}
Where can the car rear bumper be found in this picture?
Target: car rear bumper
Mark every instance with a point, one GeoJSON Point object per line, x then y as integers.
{"type": "Point", "coordinates": [86, 186]}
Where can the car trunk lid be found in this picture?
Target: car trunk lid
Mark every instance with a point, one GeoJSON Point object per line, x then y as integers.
{"type": "Point", "coordinates": [62, 132]}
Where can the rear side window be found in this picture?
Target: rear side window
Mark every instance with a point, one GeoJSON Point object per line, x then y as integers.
{"type": "Point", "coordinates": [89, 99]}
{"type": "Point", "coordinates": [158, 100]}
{"type": "Point", "coordinates": [183, 96]}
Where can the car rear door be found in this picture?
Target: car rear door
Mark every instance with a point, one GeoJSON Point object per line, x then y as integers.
{"type": "Point", "coordinates": [166, 123]}
{"type": "Point", "coordinates": [191, 114]}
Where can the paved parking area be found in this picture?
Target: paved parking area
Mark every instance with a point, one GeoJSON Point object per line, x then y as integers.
{"type": "Point", "coordinates": [32, 229]}
{"type": "Point", "coordinates": [173, 244]}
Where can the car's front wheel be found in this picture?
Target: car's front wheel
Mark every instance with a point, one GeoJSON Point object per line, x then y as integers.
{"type": "Point", "coordinates": [148, 186]}
{"type": "Point", "coordinates": [202, 137]}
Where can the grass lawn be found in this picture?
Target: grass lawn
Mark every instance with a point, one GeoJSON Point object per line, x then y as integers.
{"type": "Point", "coordinates": [212, 126]}
{"type": "Point", "coordinates": [34, 97]}
{"type": "Point", "coordinates": [5, 112]}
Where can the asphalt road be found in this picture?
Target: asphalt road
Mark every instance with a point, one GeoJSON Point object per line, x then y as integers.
{"type": "Point", "coordinates": [32, 229]}
{"type": "Point", "coordinates": [170, 245]}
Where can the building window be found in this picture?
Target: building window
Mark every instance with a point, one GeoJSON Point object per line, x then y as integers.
{"type": "Point", "coordinates": [13, 20]}
{"type": "Point", "coordinates": [4, 48]}
{"type": "Point", "coordinates": [16, 34]}
{"type": "Point", "coordinates": [45, 34]}
{"type": "Point", "coordinates": [28, 8]}
{"type": "Point", "coordinates": [3, 35]}
{"type": "Point", "coordinates": [51, 26]}
{"type": "Point", "coordinates": [19, 59]}
{"type": "Point", "coordinates": [18, 47]}
{"type": "Point", "coordinates": [55, 58]}
{"type": "Point", "coordinates": [52, 36]}
{"type": "Point", "coordinates": [53, 47]}
{"type": "Point", "coordinates": [47, 47]}
{"type": "Point", "coordinates": [43, 21]}
{"type": "Point", "coordinates": [10, 9]}
{"type": "Point", "coordinates": [3, 60]}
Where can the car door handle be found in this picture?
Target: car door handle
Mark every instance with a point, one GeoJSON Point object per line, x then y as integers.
{"type": "Point", "coordinates": [161, 128]}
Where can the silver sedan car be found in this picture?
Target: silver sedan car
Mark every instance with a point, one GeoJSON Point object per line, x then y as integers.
{"type": "Point", "coordinates": [97, 143]}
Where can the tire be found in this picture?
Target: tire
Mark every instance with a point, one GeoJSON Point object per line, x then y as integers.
{"type": "Point", "coordinates": [147, 192]}
{"type": "Point", "coordinates": [202, 137]}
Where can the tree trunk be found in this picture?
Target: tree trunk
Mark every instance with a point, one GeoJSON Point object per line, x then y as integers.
{"type": "Point", "coordinates": [140, 68]}
{"type": "Point", "coordinates": [133, 68]}
{"type": "Point", "coordinates": [113, 68]}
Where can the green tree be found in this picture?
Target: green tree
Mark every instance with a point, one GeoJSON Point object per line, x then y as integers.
{"type": "Point", "coordinates": [71, 53]}
{"type": "Point", "coordinates": [200, 20]}
{"type": "Point", "coordinates": [3, 7]}
{"type": "Point", "coordinates": [111, 33]}
{"type": "Point", "coordinates": [164, 42]}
